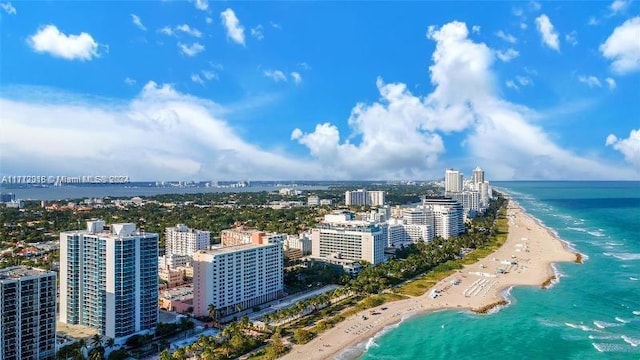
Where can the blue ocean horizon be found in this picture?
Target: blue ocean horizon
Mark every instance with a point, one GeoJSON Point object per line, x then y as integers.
{"type": "Point", "coordinates": [593, 312]}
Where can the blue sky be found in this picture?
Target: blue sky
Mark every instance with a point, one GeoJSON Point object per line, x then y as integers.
{"type": "Point", "coordinates": [320, 90]}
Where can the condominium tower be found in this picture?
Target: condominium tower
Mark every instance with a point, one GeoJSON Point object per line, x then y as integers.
{"type": "Point", "coordinates": [453, 181]}
{"type": "Point", "coordinates": [348, 239]}
{"type": "Point", "coordinates": [238, 277]}
{"type": "Point", "coordinates": [27, 314]}
{"type": "Point", "coordinates": [364, 197]}
{"type": "Point", "coordinates": [109, 278]}
{"type": "Point", "coordinates": [448, 216]}
{"type": "Point", "coordinates": [181, 240]}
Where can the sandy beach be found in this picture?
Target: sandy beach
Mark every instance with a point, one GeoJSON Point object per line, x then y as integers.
{"type": "Point", "coordinates": [524, 259]}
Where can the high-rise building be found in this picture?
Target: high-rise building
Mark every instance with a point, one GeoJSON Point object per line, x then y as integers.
{"type": "Point", "coordinates": [350, 240]}
{"type": "Point", "coordinates": [181, 240]}
{"type": "Point", "coordinates": [453, 181]}
{"type": "Point", "coordinates": [448, 216]}
{"type": "Point", "coordinates": [236, 277]}
{"type": "Point", "coordinates": [363, 197]}
{"type": "Point", "coordinates": [27, 314]}
{"type": "Point", "coordinates": [109, 278]}
{"type": "Point", "coordinates": [477, 177]}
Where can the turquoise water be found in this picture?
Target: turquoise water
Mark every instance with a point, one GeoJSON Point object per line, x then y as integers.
{"type": "Point", "coordinates": [592, 313]}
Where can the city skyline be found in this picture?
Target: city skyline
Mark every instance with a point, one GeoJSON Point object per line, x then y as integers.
{"type": "Point", "coordinates": [315, 91]}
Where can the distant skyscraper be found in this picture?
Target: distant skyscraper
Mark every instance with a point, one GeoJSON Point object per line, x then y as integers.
{"type": "Point", "coordinates": [453, 181]}
{"type": "Point", "coordinates": [180, 240]}
{"type": "Point", "coordinates": [477, 178]}
{"type": "Point", "coordinates": [27, 314]}
{"type": "Point", "coordinates": [109, 278]}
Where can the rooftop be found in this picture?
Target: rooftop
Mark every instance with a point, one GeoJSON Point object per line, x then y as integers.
{"type": "Point", "coordinates": [17, 272]}
{"type": "Point", "coordinates": [233, 248]}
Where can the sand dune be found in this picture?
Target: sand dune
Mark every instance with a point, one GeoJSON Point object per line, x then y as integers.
{"type": "Point", "coordinates": [524, 259]}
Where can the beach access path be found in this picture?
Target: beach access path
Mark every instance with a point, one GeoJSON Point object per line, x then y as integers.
{"type": "Point", "coordinates": [524, 259]}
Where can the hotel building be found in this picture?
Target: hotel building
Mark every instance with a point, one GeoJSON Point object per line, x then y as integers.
{"type": "Point", "coordinates": [27, 314]}
{"type": "Point", "coordinates": [109, 278]}
{"type": "Point", "coordinates": [340, 237]}
{"type": "Point", "coordinates": [237, 277]}
{"type": "Point", "coordinates": [448, 216]}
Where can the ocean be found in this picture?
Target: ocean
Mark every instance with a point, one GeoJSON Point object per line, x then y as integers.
{"type": "Point", "coordinates": [593, 312]}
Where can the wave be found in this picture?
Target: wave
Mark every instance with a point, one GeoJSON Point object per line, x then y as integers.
{"type": "Point", "coordinates": [604, 324]}
{"type": "Point", "coordinates": [604, 337]}
{"type": "Point", "coordinates": [356, 351]}
{"type": "Point", "coordinates": [636, 313]}
{"type": "Point", "coordinates": [621, 320]}
{"type": "Point", "coordinates": [581, 327]}
{"type": "Point", "coordinates": [608, 347]}
{"type": "Point", "coordinates": [596, 233]}
{"type": "Point", "coordinates": [623, 256]}
{"type": "Point", "coordinates": [633, 278]}
{"type": "Point", "coordinates": [631, 341]}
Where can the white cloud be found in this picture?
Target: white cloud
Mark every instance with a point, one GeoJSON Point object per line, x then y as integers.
{"type": "Point", "coordinates": [611, 83]}
{"type": "Point", "coordinates": [8, 8]}
{"type": "Point", "coordinates": [275, 25]}
{"type": "Point", "coordinates": [305, 66]}
{"type": "Point", "coordinates": [629, 147]}
{"type": "Point", "coordinates": [173, 136]}
{"type": "Point", "coordinates": [188, 30]}
{"type": "Point", "coordinates": [208, 20]}
{"type": "Point", "coordinates": [524, 80]}
{"type": "Point", "coordinates": [590, 81]}
{"type": "Point", "coordinates": [202, 4]}
{"type": "Point", "coordinates": [523, 25]}
{"type": "Point", "coordinates": [191, 50]}
{"type": "Point", "coordinates": [571, 38]}
{"type": "Point", "coordinates": [549, 35]}
{"type": "Point", "coordinates": [512, 85]}
{"type": "Point", "coordinates": [535, 6]}
{"type": "Point", "coordinates": [475, 29]}
{"type": "Point", "coordinates": [507, 37]}
{"type": "Point", "coordinates": [138, 22]}
{"type": "Point", "coordinates": [399, 135]}
{"type": "Point", "coordinates": [235, 31]}
{"type": "Point", "coordinates": [619, 6]}
{"type": "Point", "coordinates": [184, 28]}
{"type": "Point", "coordinates": [256, 32]}
{"type": "Point", "coordinates": [197, 79]}
{"type": "Point", "coordinates": [129, 81]}
{"type": "Point", "coordinates": [622, 48]}
{"type": "Point", "coordinates": [209, 75]}
{"type": "Point", "coordinates": [507, 55]}
{"type": "Point", "coordinates": [297, 78]}
{"type": "Point", "coordinates": [48, 39]}
{"type": "Point", "coordinates": [167, 30]}
{"type": "Point", "coordinates": [275, 75]}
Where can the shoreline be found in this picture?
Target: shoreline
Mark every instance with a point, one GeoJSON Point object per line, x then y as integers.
{"type": "Point", "coordinates": [525, 259]}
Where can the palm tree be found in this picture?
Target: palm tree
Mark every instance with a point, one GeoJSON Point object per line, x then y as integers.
{"type": "Point", "coordinates": [96, 340]}
{"type": "Point", "coordinates": [110, 343]}
{"type": "Point", "coordinates": [213, 313]}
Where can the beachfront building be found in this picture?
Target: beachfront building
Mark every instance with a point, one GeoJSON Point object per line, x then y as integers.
{"type": "Point", "coordinates": [448, 216]}
{"type": "Point", "coordinates": [301, 242]}
{"type": "Point", "coordinates": [341, 237]}
{"type": "Point", "coordinates": [238, 277]}
{"type": "Point", "coordinates": [181, 240]}
{"type": "Point", "coordinates": [109, 278]}
{"type": "Point", "coordinates": [363, 197]}
{"type": "Point", "coordinates": [27, 313]}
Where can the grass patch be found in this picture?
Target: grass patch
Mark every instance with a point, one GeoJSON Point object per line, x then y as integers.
{"type": "Point", "coordinates": [373, 301]}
